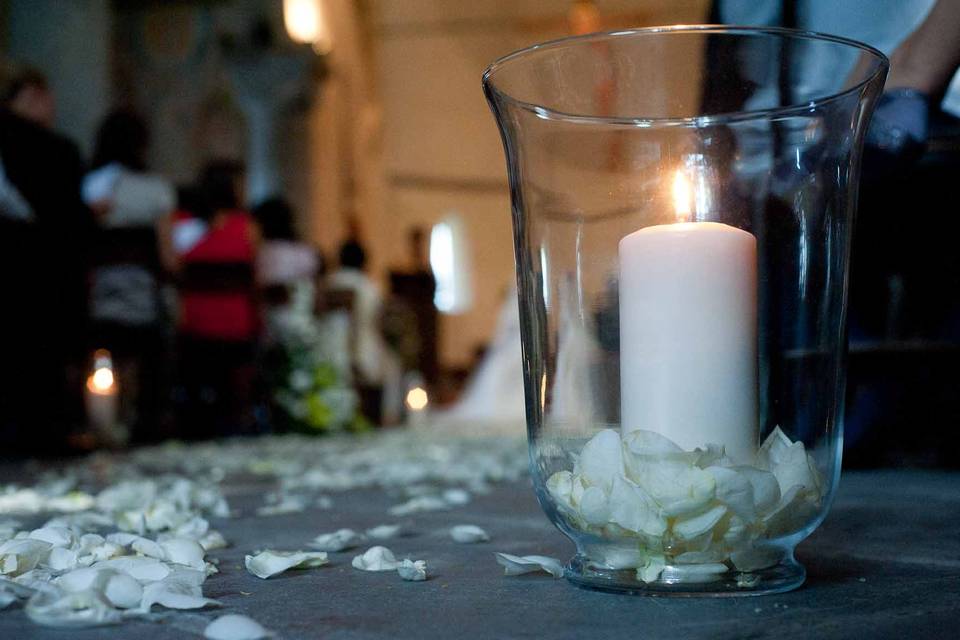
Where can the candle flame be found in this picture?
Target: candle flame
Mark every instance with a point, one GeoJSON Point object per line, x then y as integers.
{"type": "Point", "coordinates": [417, 399]}
{"type": "Point", "coordinates": [101, 381]}
{"type": "Point", "coordinates": [682, 196]}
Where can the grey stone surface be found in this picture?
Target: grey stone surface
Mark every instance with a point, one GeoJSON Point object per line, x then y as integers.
{"type": "Point", "coordinates": [885, 564]}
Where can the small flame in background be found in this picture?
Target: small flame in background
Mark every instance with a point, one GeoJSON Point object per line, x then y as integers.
{"type": "Point", "coordinates": [102, 381]}
{"type": "Point", "coordinates": [417, 399]}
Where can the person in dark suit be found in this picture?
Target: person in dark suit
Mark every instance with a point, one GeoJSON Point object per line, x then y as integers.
{"type": "Point", "coordinates": [42, 274]}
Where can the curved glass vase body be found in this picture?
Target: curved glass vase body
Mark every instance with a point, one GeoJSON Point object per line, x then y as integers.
{"type": "Point", "coordinates": [682, 207]}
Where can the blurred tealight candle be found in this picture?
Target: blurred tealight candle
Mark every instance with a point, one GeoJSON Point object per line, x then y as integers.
{"type": "Point", "coordinates": [417, 400]}
{"type": "Point", "coordinates": [101, 395]}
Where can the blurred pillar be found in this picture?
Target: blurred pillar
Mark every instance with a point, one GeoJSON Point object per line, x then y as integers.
{"type": "Point", "coordinates": [266, 85]}
{"type": "Point", "coordinates": [347, 144]}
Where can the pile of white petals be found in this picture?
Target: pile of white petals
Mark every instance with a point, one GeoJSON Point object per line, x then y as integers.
{"type": "Point", "coordinates": [693, 514]}
{"type": "Point", "coordinates": [143, 545]}
{"type": "Point", "coordinates": [399, 459]}
{"type": "Point", "coordinates": [141, 542]}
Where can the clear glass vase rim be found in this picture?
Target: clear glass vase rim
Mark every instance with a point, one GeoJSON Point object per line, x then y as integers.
{"type": "Point", "coordinates": [689, 121]}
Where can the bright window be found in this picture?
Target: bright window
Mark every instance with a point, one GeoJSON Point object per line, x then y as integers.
{"type": "Point", "coordinates": [450, 262]}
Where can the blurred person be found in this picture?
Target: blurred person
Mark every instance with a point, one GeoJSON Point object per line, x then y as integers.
{"type": "Point", "coordinates": [411, 321]}
{"type": "Point", "coordinates": [212, 249]}
{"type": "Point", "coordinates": [373, 361]}
{"type": "Point", "coordinates": [126, 305]}
{"type": "Point", "coordinates": [921, 37]}
{"type": "Point", "coordinates": [43, 241]}
{"type": "Point", "coordinates": [231, 239]}
{"type": "Point", "coordinates": [283, 259]}
{"type": "Point", "coordinates": [901, 323]}
{"type": "Point", "coordinates": [287, 269]}
{"type": "Point", "coordinates": [28, 96]}
{"type": "Point", "coordinates": [494, 396]}
{"type": "Point", "coordinates": [368, 304]}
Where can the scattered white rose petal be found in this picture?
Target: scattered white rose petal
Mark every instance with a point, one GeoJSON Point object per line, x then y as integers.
{"type": "Point", "coordinates": [184, 551]}
{"type": "Point", "coordinates": [595, 506]}
{"type": "Point", "coordinates": [104, 551]}
{"type": "Point", "coordinates": [18, 556]}
{"type": "Point", "coordinates": [52, 607]}
{"type": "Point", "coordinates": [288, 504]}
{"type": "Point", "coordinates": [456, 497]}
{"type": "Point", "coordinates": [61, 559]}
{"type": "Point", "coordinates": [123, 496]}
{"type": "Point", "coordinates": [375, 559]}
{"type": "Point", "coordinates": [174, 594]}
{"type": "Point", "coordinates": [140, 568]}
{"type": "Point", "coordinates": [773, 449]}
{"type": "Point", "coordinates": [418, 504]}
{"type": "Point", "coordinates": [83, 579]}
{"type": "Point", "coordinates": [11, 592]}
{"type": "Point", "coordinates": [468, 533]}
{"type": "Point", "coordinates": [269, 563]}
{"type": "Point", "coordinates": [601, 459]}
{"type": "Point", "coordinates": [123, 538]}
{"type": "Point", "coordinates": [213, 540]}
{"type": "Point", "coordinates": [383, 531]}
{"type": "Point", "coordinates": [678, 486]}
{"type": "Point", "coordinates": [122, 591]}
{"type": "Point", "coordinates": [634, 509]}
{"type": "Point", "coordinates": [55, 536]}
{"type": "Point", "coordinates": [734, 490]}
{"type": "Point", "coordinates": [714, 455]}
{"type": "Point", "coordinates": [519, 565]}
{"type": "Point", "coordinates": [235, 627]}
{"type": "Point", "coordinates": [694, 526]}
{"type": "Point", "coordinates": [194, 528]}
{"type": "Point", "coordinates": [651, 569]}
{"type": "Point", "coordinates": [560, 486]}
{"type": "Point", "coordinates": [149, 548]}
{"type": "Point", "coordinates": [650, 443]}
{"type": "Point", "coordinates": [414, 571]}
{"type": "Point", "coordinates": [766, 489]}
{"type": "Point", "coordinates": [186, 576]}
{"type": "Point", "coordinates": [339, 540]}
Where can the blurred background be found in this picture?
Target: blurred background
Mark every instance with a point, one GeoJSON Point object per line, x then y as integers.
{"type": "Point", "coordinates": [223, 217]}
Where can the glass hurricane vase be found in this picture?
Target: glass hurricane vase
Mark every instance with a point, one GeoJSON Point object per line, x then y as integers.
{"type": "Point", "coordinates": [682, 206]}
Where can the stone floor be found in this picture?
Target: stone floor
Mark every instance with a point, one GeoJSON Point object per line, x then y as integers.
{"type": "Point", "coordinates": [885, 564]}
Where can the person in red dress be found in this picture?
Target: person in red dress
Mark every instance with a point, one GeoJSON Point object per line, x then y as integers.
{"type": "Point", "coordinates": [211, 247]}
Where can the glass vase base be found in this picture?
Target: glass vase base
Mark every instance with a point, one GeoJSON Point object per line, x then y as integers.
{"type": "Point", "coordinates": [785, 576]}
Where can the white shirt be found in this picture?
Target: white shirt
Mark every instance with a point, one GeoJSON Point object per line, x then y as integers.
{"type": "Point", "coordinates": [371, 350]}
{"type": "Point", "coordinates": [126, 293]}
{"type": "Point", "coordinates": [135, 199]}
{"type": "Point", "coordinates": [883, 24]}
{"type": "Point", "coordinates": [285, 262]}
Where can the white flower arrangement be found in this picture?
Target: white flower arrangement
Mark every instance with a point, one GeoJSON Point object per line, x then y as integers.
{"type": "Point", "coordinates": [314, 386]}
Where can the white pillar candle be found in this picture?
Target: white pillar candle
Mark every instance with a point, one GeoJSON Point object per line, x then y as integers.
{"type": "Point", "coordinates": [688, 335]}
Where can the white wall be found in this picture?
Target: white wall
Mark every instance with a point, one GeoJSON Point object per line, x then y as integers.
{"type": "Point", "coordinates": [442, 149]}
